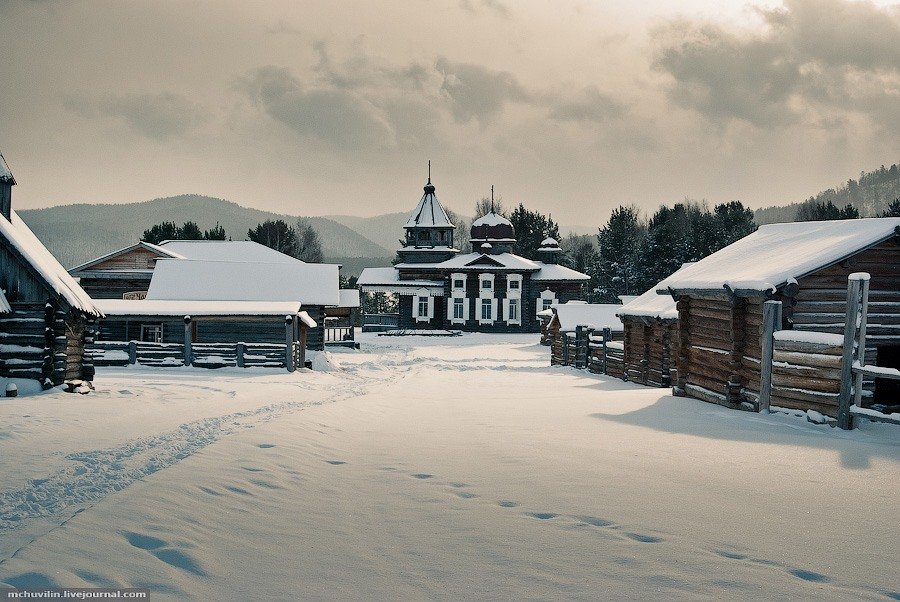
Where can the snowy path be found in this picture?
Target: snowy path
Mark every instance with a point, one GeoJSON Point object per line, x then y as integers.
{"type": "Point", "coordinates": [463, 468]}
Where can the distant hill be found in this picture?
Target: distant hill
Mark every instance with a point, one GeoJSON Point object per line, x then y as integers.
{"type": "Point", "coordinates": [78, 233]}
{"type": "Point", "coordinates": [385, 230]}
{"type": "Point", "coordinates": [870, 194]}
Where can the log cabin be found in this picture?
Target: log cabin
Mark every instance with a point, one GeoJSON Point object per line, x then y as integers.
{"type": "Point", "coordinates": [651, 336]}
{"type": "Point", "coordinates": [650, 324]}
{"type": "Point", "coordinates": [131, 273]}
{"type": "Point", "coordinates": [804, 265]}
{"type": "Point", "coordinates": [46, 319]}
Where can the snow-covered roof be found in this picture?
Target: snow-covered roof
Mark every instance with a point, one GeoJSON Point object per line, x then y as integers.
{"type": "Point", "coordinates": [349, 297]}
{"type": "Point", "coordinates": [650, 305]}
{"type": "Point", "coordinates": [226, 250]}
{"type": "Point", "coordinates": [471, 260]}
{"type": "Point", "coordinates": [167, 307]}
{"type": "Point", "coordinates": [549, 242]}
{"type": "Point", "coordinates": [557, 272]}
{"type": "Point", "coordinates": [5, 173]}
{"type": "Point", "coordinates": [429, 212]}
{"type": "Point", "coordinates": [308, 283]}
{"type": "Point", "coordinates": [777, 253]}
{"type": "Point", "coordinates": [387, 280]}
{"type": "Point", "coordinates": [4, 304]}
{"type": "Point", "coordinates": [491, 219]}
{"type": "Point", "coordinates": [592, 315]}
{"type": "Point", "coordinates": [140, 244]}
{"type": "Point", "coordinates": [653, 304]}
{"type": "Point", "coordinates": [54, 275]}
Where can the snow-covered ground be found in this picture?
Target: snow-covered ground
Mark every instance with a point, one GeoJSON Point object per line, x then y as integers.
{"type": "Point", "coordinates": [437, 468]}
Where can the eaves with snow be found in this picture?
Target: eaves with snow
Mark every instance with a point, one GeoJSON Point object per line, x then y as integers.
{"type": "Point", "coordinates": [769, 258]}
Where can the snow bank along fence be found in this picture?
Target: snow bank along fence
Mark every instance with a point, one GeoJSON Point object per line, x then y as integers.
{"type": "Point", "coordinates": [825, 372]}
{"type": "Point", "coordinates": [586, 348]}
{"type": "Point", "coordinates": [380, 322]}
{"type": "Point", "coordinates": [290, 355]}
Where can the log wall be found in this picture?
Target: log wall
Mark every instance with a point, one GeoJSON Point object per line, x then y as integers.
{"type": "Point", "coordinates": [651, 351]}
{"type": "Point", "coordinates": [806, 376]}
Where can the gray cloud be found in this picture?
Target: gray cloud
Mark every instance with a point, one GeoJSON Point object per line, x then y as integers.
{"type": "Point", "coordinates": [159, 116]}
{"type": "Point", "coordinates": [476, 92]}
{"type": "Point", "coordinates": [815, 57]}
{"type": "Point", "coordinates": [495, 5]}
{"type": "Point", "coordinates": [593, 106]}
{"type": "Point", "coordinates": [336, 116]}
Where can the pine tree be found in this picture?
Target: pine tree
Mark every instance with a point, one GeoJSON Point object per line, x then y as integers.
{"type": "Point", "coordinates": [190, 231]}
{"type": "Point", "coordinates": [309, 247]}
{"type": "Point", "coordinates": [893, 209]}
{"type": "Point", "coordinates": [160, 232]}
{"type": "Point", "coordinates": [618, 270]}
{"type": "Point", "coordinates": [217, 233]}
{"type": "Point", "coordinates": [275, 235]}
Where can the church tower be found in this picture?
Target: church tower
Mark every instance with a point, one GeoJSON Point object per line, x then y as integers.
{"type": "Point", "coordinates": [429, 231]}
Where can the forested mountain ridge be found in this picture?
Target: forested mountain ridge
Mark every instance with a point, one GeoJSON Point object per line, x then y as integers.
{"type": "Point", "coordinates": [78, 233]}
{"type": "Point", "coordinates": [870, 195]}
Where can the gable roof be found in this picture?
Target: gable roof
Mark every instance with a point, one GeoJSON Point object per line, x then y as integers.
{"type": "Point", "coordinates": [653, 304]}
{"type": "Point", "coordinates": [5, 173]}
{"type": "Point", "coordinates": [776, 253]}
{"type": "Point", "coordinates": [138, 245]}
{"type": "Point", "coordinates": [226, 250]}
{"type": "Point", "coordinates": [185, 280]}
{"type": "Point", "coordinates": [592, 315]}
{"type": "Point", "coordinates": [552, 272]}
{"type": "Point", "coordinates": [45, 265]}
{"type": "Point", "coordinates": [428, 212]}
{"type": "Point", "coordinates": [161, 307]}
{"type": "Point", "coordinates": [495, 260]}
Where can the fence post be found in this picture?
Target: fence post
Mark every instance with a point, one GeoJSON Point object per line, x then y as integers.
{"type": "Point", "coordinates": [771, 323]}
{"type": "Point", "coordinates": [132, 352]}
{"type": "Point", "coordinates": [579, 337]}
{"type": "Point", "coordinates": [289, 343]}
{"type": "Point", "coordinates": [239, 355]}
{"type": "Point", "coordinates": [861, 339]}
{"type": "Point", "coordinates": [845, 420]}
{"type": "Point", "coordinates": [188, 352]}
{"type": "Point", "coordinates": [606, 334]}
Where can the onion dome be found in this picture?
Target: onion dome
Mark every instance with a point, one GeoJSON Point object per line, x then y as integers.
{"type": "Point", "coordinates": [549, 243]}
{"type": "Point", "coordinates": [492, 227]}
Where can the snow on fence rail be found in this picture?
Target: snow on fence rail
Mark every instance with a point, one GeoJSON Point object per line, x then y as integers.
{"type": "Point", "coordinates": [203, 355]}
{"type": "Point", "coordinates": [590, 349]}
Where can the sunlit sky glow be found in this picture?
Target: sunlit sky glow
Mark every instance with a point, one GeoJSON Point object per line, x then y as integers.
{"type": "Point", "coordinates": [572, 107]}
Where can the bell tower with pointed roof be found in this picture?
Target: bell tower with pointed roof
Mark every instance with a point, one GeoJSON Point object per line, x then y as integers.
{"type": "Point", "coordinates": [429, 231]}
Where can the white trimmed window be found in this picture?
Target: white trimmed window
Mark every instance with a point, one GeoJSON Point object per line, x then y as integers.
{"type": "Point", "coordinates": [459, 308]}
{"type": "Point", "coordinates": [546, 299]}
{"type": "Point", "coordinates": [512, 311]}
{"type": "Point", "coordinates": [487, 307]}
{"type": "Point", "coordinates": [459, 283]}
{"type": "Point", "coordinates": [423, 306]}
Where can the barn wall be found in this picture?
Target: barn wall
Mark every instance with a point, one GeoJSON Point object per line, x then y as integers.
{"type": "Point", "coordinates": [650, 351]}
{"type": "Point", "coordinates": [106, 288]}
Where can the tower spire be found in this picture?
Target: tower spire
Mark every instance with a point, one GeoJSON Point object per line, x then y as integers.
{"type": "Point", "coordinates": [429, 171]}
{"type": "Point", "coordinates": [492, 198]}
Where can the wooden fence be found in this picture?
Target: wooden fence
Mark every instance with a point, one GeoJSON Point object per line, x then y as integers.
{"type": "Point", "coordinates": [824, 371]}
{"type": "Point", "coordinates": [588, 349]}
{"type": "Point", "coordinates": [203, 355]}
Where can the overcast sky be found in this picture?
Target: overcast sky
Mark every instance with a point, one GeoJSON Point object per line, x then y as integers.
{"type": "Point", "coordinates": [572, 107]}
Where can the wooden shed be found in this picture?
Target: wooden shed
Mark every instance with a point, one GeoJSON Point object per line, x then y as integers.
{"type": "Point", "coordinates": [45, 316]}
{"type": "Point", "coordinates": [650, 324]}
{"type": "Point", "coordinates": [804, 265]}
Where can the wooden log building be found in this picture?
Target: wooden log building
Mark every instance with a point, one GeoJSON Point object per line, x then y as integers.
{"type": "Point", "coordinates": [651, 339]}
{"type": "Point", "coordinates": [213, 271]}
{"type": "Point", "coordinates": [804, 265]}
{"type": "Point", "coordinates": [45, 317]}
